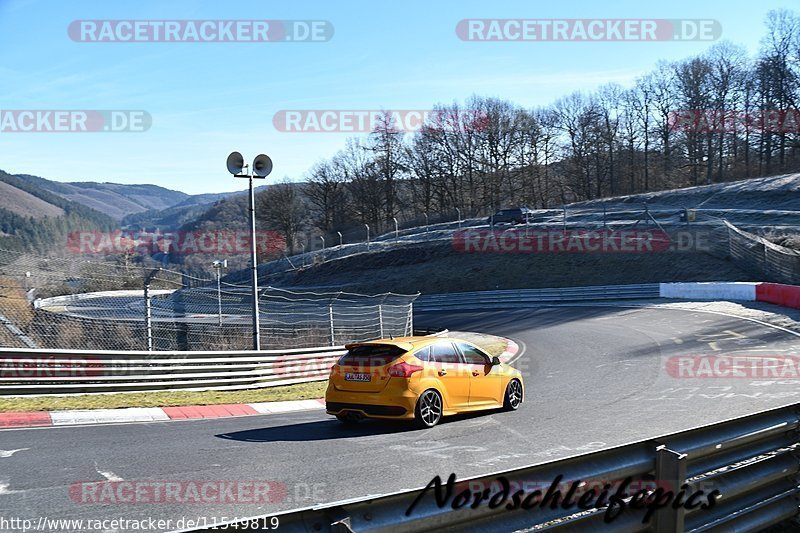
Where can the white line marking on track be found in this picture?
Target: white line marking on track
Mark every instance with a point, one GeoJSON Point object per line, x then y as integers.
{"type": "Point", "coordinates": [9, 453]}
{"type": "Point", "coordinates": [111, 476]}
{"type": "Point", "coordinates": [4, 489]}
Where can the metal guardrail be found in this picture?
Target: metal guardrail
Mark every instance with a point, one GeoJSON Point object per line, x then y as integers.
{"type": "Point", "coordinates": [530, 297]}
{"type": "Point", "coordinates": [38, 372]}
{"type": "Point", "coordinates": [24, 372]}
{"type": "Point", "coordinates": [752, 461]}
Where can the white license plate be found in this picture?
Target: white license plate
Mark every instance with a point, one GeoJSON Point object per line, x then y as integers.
{"type": "Point", "coordinates": [357, 376]}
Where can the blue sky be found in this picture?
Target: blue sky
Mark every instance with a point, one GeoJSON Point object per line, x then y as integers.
{"type": "Point", "coordinates": [207, 99]}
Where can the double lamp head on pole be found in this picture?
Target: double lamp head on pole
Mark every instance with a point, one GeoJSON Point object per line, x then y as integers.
{"type": "Point", "coordinates": [262, 166]}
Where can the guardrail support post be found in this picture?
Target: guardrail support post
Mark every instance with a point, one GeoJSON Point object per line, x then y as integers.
{"type": "Point", "coordinates": [670, 475]}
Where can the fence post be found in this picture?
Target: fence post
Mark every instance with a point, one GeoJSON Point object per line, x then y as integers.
{"type": "Point", "coordinates": [148, 318]}
{"type": "Point", "coordinates": [148, 315]}
{"type": "Point", "coordinates": [380, 318]}
{"type": "Point", "coordinates": [670, 476]}
{"type": "Point", "coordinates": [330, 317]}
{"type": "Point", "coordinates": [410, 320]}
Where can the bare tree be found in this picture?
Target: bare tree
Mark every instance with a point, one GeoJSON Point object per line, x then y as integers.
{"type": "Point", "coordinates": [280, 206]}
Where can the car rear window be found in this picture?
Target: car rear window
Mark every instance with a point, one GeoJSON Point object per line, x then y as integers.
{"type": "Point", "coordinates": [368, 355]}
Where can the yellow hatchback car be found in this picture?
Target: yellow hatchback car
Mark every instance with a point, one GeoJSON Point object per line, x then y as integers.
{"type": "Point", "coordinates": [420, 379]}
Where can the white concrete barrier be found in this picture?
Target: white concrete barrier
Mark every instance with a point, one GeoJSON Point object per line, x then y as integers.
{"type": "Point", "coordinates": [738, 290]}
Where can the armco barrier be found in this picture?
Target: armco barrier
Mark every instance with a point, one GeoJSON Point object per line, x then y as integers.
{"type": "Point", "coordinates": [521, 297]}
{"type": "Point", "coordinates": [752, 461]}
{"type": "Point", "coordinates": [784, 295]}
{"type": "Point", "coordinates": [38, 372]}
{"type": "Point", "coordinates": [24, 372]}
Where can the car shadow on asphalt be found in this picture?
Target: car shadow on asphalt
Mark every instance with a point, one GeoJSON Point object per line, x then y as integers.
{"type": "Point", "coordinates": [333, 429]}
{"type": "Point", "coordinates": [320, 430]}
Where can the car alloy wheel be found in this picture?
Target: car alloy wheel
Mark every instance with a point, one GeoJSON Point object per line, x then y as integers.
{"type": "Point", "coordinates": [429, 409]}
{"type": "Point", "coordinates": [513, 395]}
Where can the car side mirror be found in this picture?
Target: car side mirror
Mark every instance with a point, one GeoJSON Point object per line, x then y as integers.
{"type": "Point", "coordinates": [495, 361]}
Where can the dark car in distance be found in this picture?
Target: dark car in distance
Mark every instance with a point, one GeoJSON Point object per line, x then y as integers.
{"type": "Point", "coordinates": [517, 215]}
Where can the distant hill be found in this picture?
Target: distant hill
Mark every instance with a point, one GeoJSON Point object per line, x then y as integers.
{"type": "Point", "coordinates": [114, 199]}
{"type": "Point", "coordinates": [34, 218]}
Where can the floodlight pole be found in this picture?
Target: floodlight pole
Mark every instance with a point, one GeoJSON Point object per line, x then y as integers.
{"type": "Point", "coordinates": [254, 266]}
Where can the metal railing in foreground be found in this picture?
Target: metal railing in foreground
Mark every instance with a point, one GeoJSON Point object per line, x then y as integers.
{"type": "Point", "coordinates": [505, 299]}
{"type": "Point", "coordinates": [751, 461]}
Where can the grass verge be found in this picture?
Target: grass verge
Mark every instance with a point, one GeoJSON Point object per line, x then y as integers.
{"type": "Point", "coordinates": [301, 391]}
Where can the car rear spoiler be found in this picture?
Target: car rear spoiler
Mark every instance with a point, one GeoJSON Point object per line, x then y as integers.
{"type": "Point", "coordinates": [405, 346]}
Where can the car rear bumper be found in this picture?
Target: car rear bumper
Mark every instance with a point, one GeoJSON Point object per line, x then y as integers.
{"type": "Point", "coordinates": [371, 405]}
{"type": "Point", "coordinates": [392, 411]}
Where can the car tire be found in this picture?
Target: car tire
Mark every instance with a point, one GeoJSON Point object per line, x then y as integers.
{"type": "Point", "coordinates": [428, 411]}
{"type": "Point", "coordinates": [513, 396]}
{"type": "Point", "coordinates": [347, 420]}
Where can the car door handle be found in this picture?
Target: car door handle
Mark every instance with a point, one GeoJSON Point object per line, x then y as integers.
{"type": "Point", "coordinates": [442, 372]}
{"type": "Point", "coordinates": [475, 373]}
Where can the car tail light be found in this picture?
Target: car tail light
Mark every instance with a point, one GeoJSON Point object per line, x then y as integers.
{"type": "Point", "coordinates": [403, 370]}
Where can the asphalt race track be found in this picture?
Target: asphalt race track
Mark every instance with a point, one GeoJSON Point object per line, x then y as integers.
{"type": "Point", "coordinates": [595, 377]}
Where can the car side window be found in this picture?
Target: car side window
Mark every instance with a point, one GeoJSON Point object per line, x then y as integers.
{"type": "Point", "coordinates": [472, 355]}
{"type": "Point", "coordinates": [423, 354]}
{"type": "Point", "coordinates": [444, 352]}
